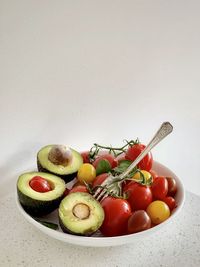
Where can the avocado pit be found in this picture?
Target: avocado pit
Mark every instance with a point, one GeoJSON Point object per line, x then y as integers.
{"type": "Point", "coordinates": [81, 211]}
{"type": "Point", "coordinates": [60, 155]}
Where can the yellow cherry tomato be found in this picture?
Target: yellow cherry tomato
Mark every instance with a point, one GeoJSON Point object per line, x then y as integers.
{"type": "Point", "coordinates": [139, 176]}
{"type": "Point", "coordinates": [158, 211]}
{"type": "Point", "coordinates": [86, 173]}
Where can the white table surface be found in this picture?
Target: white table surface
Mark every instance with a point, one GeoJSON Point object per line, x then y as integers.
{"type": "Point", "coordinates": [175, 245]}
{"type": "Point", "coordinates": [79, 72]}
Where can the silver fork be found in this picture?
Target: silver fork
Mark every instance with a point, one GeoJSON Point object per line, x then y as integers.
{"type": "Point", "coordinates": [102, 192]}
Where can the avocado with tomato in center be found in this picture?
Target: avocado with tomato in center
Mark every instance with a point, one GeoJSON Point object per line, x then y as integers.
{"type": "Point", "coordinates": [80, 214]}
{"type": "Point", "coordinates": [40, 193]}
{"type": "Point", "coordinates": [60, 160]}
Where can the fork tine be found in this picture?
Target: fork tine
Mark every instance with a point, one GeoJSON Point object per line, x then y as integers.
{"type": "Point", "coordinates": [105, 195]}
{"type": "Point", "coordinates": [101, 195]}
{"type": "Point", "coordinates": [99, 190]}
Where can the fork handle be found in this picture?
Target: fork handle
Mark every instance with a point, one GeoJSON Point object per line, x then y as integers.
{"type": "Point", "coordinates": [165, 129]}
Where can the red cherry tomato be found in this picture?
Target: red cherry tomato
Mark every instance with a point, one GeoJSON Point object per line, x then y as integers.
{"type": "Point", "coordinates": [138, 221]}
{"type": "Point", "coordinates": [99, 179]}
{"type": "Point", "coordinates": [115, 163]}
{"type": "Point", "coordinates": [132, 153]}
{"type": "Point", "coordinates": [40, 184]}
{"type": "Point", "coordinates": [79, 188]}
{"type": "Point", "coordinates": [159, 188]}
{"type": "Point", "coordinates": [117, 212]}
{"type": "Point", "coordinates": [85, 156]}
{"type": "Point", "coordinates": [139, 196]}
{"type": "Point", "coordinates": [125, 185]}
{"type": "Point", "coordinates": [172, 186]}
{"type": "Point", "coordinates": [170, 201]}
{"type": "Point", "coordinates": [121, 157]}
{"type": "Point", "coordinates": [110, 158]}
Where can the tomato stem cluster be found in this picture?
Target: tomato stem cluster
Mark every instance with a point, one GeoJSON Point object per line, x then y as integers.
{"type": "Point", "coordinates": [116, 151]}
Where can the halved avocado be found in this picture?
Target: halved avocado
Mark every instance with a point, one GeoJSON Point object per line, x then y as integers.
{"type": "Point", "coordinates": [36, 203]}
{"type": "Point", "coordinates": [80, 214]}
{"type": "Point", "coordinates": [66, 170]}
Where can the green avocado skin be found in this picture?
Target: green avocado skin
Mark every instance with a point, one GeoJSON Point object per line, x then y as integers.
{"type": "Point", "coordinates": [37, 207]}
{"type": "Point", "coordinates": [66, 230]}
{"type": "Point", "coordinates": [67, 178]}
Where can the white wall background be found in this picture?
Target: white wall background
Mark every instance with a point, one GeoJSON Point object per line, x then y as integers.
{"type": "Point", "coordinates": [80, 72]}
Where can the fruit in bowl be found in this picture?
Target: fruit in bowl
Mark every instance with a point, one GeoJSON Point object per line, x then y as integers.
{"type": "Point", "coordinates": [147, 197]}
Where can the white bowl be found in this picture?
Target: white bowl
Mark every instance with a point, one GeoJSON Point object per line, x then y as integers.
{"type": "Point", "coordinates": [96, 241]}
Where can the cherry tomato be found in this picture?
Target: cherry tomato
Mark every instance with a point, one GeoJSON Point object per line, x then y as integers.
{"type": "Point", "coordinates": [121, 157]}
{"type": "Point", "coordinates": [159, 188]}
{"type": "Point", "coordinates": [86, 173]}
{"type": "Point", "coordinates": [40, 184]}
{"type": "Point", "coordinates": [139, 196]}
{"type": "Point", "coordinates": [172, 186]}
{"type": "Point", "coordinates": [170, 201]}
{"type": "Point", "coordinates": [99, 179]}
{"type": "Point", "coordinates": [79, 188]}
{"type": "Point", "coordinates": [132, 153]}
{"type": "Point", "coordinates": [158, 211]}
{"type": "Point", "coordinates": [85, 156]}
{"type": "Point", "coordinates": [139, 175]}
{"type": "Point", "coordinates": [117, 212]}
{"type": "Point", "coordinates": [138, 221]}
{"type": "Point", "coordinates": [125, 185]}
{"type": "Point", "coordinates": [110, 158]}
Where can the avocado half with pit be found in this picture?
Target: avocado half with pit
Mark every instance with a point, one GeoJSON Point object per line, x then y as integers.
{"type": "Point", "coordinates": [80, 214]}
{"type": "Point", "coordinates": [40, 203]}
{"type": "Point", "coordinates": [59, 160]}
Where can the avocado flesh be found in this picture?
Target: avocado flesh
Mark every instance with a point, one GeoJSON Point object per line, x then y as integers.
{"type": "Point", "coordinates": [37, 203]}
{"type": "Point", "coordinates": [67, 173]}
{"type": "Point", "coordinates": [72, 224]}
